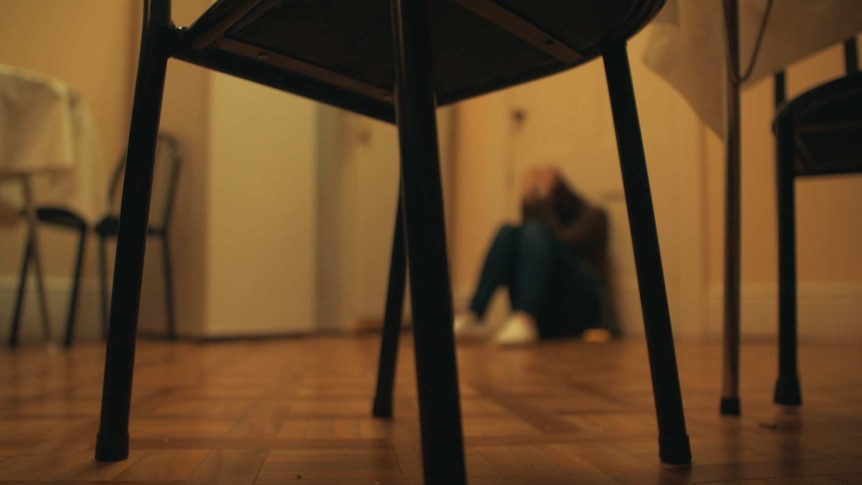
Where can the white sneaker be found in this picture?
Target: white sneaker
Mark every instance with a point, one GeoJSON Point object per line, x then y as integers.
{"type": "Point", "coordinates": [467, 327]}
{"type": "Point", "coordinates": [520, 329]}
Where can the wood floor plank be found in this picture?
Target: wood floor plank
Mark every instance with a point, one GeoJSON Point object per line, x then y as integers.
{"type": "Point", "coordinates": [159, 465]}
{"type": "Point", "coordinates": [298, 411]}
{"type": "Point", "coordinates": [229, 467]}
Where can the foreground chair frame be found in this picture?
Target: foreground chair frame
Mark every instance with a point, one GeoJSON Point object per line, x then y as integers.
{"type": "Point", "coordinates": [787, 170]}
{"type": "Point", "coordinates": [419, 241]}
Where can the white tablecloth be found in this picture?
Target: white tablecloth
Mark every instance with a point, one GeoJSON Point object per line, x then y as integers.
{"type": "Point", "coordinates": [46, 128]}
{"type": "Point", "coordinates": [687, 43]}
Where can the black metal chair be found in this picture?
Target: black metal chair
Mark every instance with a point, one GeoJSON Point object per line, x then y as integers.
{"type": "Point", "coordinates": [396, 61]}
{"type": "Point", "coordinates": [60, 217]}
{"type": "Point", "coordinates": [168, 159]}
{"type": "Point", "coordinates": [817, 133]}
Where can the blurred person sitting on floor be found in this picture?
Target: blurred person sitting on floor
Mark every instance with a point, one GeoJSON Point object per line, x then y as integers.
{"type": "Point", "coordinates": [554, 266]}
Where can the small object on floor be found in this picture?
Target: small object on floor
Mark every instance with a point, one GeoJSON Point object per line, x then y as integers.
{"type": "Point", "coordinates": [519, 330]}
{"type": "Point", "coordinates": [469, 327]}
{"type": "Point", "coordinates": [596, 335]}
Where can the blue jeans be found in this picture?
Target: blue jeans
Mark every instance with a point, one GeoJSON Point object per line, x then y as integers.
{"type": "Point", "coordinates": [544, 279]}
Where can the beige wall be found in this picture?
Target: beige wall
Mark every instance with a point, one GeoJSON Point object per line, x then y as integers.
{"type": "Point", "coordinates": [480, 185]}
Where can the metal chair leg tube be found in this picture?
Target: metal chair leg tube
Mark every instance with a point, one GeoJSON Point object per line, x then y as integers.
{"type": "Point", "coordinates": [76, 289]}
{"type": "Point", "coordinates": [391, 321]}
{"type": "Point", "coordinates": [19, 299]}
{"type": "Point", "coordinates": [112, 443]}
{"type": "Point", "coordinates": [673, 440]}
{"type": "Point", "coordinates": [35, 255]}
{"type": "Point", "coordinates": [787, 388]}
{"type": "Point", "coordinates": [169, 289]}
{"type": "Point", "coordinates": [436, 368]}
{"type": "Point", "coordinates": [730, 404]}
{"type": "Point", "coordinates": [103, 285]}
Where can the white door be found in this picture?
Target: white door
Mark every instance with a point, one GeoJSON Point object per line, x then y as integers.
{"type": "Point", "coordinates": [262, 191]}
{"type": "Point", "coordinates": [359, 177]}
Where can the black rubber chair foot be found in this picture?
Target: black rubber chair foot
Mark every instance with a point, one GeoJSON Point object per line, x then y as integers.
{"type": "Point", "coordinates": [113, 448]}
{"type": "Point", "coordinates": [674, 450]}
{"type": "Point", "coordinates": [787, 392]}
{"type": "Point", "coordinates": [382, 407]}
{"type": "Point", "coordinates": [730, 406]}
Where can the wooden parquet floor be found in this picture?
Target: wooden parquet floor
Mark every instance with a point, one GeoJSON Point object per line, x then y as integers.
{"type": "Point", "coordinates": [297, 412]}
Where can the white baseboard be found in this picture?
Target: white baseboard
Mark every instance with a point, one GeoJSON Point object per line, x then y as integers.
{"type": "Point", "coordinates": [58, 289]}
{"type": "Point", "coordinates": [827, 311]}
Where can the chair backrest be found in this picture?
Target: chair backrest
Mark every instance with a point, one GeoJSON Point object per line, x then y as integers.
{"type": "Point", "coordinates": [165, 177]}
{"type": "Point", "coordinates": [851, 65]}
{"type": "Point", "coordinates": [826, 121]}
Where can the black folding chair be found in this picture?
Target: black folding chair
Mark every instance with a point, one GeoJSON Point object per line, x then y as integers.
{"type": "Point", "coordinates": [166, 168]}
{"type": "Point", "coordinates": [817, 133]}
{"type": "Point", "coordinates": [397, 61]}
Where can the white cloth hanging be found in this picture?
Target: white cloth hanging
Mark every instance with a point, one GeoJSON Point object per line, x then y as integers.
{"type": "Point", "coordinates": [46, 128]}
{"type": "Point", "coordinates": [687, 43]}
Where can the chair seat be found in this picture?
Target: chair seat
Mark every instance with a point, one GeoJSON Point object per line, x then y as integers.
{"type": "Point", "coordinates": [60, 216]}
{"type": "Point", "coordinates": [827, 127]}
{"type": "Point", "coordinates": [340, 51]}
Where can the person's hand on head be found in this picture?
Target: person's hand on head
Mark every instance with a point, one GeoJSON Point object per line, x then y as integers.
{"type": "Point", "coordinates": [548, 179]}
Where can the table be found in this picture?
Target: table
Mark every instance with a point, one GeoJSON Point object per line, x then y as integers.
{"type": "Point", "coordinates": [700, 56]}
{"type": "Point", "coordinates": [47, 129]}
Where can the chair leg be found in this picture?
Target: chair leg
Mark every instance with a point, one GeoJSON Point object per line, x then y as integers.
{"type": "Point", "coordinates": [787, 389]}
{"type": "Point", "coordinates": [391, 321]}
{"type": "Point", "coordinates": [103, 285]}
{"type": "Point", "coordinates": [112, 443]}
{"type": "Point", "coordinates": [673, 440]}
{"type": "Point", "coordinates": [169, 289]}
{"type": "Point", "coordinates": [76, 287]}
{"type": "Point", "coordinates": [422, 196]}
{"type": "Point", "coordinates": [730, 404]}
{"type": "Point", "coordinates": [19, 299]}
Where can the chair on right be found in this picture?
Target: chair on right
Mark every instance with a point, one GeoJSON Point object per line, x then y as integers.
{"type": "Point", "coordinates": [817, 133]}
